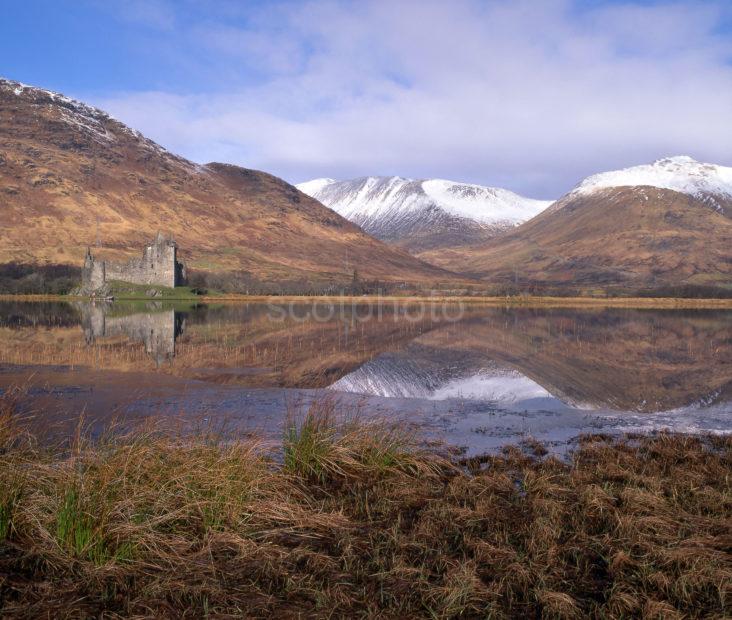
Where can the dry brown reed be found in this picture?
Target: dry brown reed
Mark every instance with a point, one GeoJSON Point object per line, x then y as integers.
{"type": "Point", "coordinates": [355, 519]}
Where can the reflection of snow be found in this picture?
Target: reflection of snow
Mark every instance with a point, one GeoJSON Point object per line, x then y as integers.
{"type": "Point", "coordinates": [716, 420]}
{"type": "Point", "coordinates": [393, 376]}
{"type": "Point", "coordinates": [503, 387]}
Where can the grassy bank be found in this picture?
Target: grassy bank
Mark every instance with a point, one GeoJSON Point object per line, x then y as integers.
{"type": "Point", "coordinates": [356, 520]}
{"type": "Point", "coordinates": [518, 300]}
{"type": "Point", "coordinates": [185, 294]}
{"type": "Point", "coordinates": [135, 292]}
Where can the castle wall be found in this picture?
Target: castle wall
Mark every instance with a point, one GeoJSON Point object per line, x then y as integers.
{"type": "Point", "coordinates": [97, 275]}
{"type": "Point", "coordinates": [153, 268]}
{"type": "Point", "coordinates": [158, 266]}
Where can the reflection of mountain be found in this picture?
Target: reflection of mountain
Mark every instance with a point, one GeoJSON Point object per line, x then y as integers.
{"type": "Point", "coordinates": [157, 329]}
{"type": "Point", "coordinates": [433, 373]}
{"type": "Point", "coordinates": [622, 359]}
{"type": "Point", "coordinates": [625, 360]}
{"type": "Point", "coordinates": [261, 345]}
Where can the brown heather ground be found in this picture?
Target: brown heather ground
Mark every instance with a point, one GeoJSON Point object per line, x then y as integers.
{"type": "Point", "coordinates": [356, 520]}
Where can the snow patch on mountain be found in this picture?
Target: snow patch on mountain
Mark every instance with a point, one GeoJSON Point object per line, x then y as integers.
{"type": "Point", "coordinates": [313, 187]}
{"type": "Point", "coordinates": [681, 173]}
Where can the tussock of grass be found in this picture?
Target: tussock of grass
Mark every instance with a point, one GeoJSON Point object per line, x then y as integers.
{"type": "Point", "coordinates": [321, 447]}
{"type": "Point", "coordinates": [356, 520]}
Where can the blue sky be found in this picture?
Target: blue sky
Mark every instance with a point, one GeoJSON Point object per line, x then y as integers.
{"type": "Point", "coordinates": [529, 95]}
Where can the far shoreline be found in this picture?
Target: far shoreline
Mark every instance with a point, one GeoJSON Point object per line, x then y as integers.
{"type": "Point", "coordinates": [509, 301]}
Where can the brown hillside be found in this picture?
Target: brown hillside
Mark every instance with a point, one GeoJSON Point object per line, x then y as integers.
{"type": "Point", "coordinates": [67, 169]}
{"type": "Point", "coordinates": [633, 237]}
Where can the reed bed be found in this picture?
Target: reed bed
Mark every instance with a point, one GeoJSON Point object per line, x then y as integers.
{"type": "Point", "coordinates": [358, 519]}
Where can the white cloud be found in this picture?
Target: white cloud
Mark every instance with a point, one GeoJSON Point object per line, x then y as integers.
{"type": "Point", "coordinates": [528, 95]}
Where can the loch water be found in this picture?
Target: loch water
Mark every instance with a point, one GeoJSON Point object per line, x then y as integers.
{"type": "Point", "coordinates": [475, 376]}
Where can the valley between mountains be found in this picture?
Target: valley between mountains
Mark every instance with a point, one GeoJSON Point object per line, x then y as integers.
{"type": "Point", "coordinates": [71, 176]}
{"type": "Point", "coordinates": [665, 224]}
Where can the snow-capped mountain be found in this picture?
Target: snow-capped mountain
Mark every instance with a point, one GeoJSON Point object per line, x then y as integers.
{"type": "Point", "coordinates": [424, 214]}
{"type": "Point", "coordinates": [95, 124]}
{"type": "Point", "coordinates": [680, 174]}
{"type": "Point", "coordinates": [70, 172]}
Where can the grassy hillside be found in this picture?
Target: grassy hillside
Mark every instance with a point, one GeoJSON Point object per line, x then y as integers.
{"type": "Point", "coordinates": [70, 174]}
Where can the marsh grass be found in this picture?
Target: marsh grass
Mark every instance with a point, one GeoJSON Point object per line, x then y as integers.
{"type": "Point", "coordinates": [323, 446]}
{"type": "Point", "coordinates": [355, 518]}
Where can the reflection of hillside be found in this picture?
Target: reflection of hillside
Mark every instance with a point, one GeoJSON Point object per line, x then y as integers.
{"type": "Point", "coordinates": [226, 344]}
{"type": "Point", "coordinates": [38, 314]}
{"type": "Point", "coordinates": [622, 359]}
{"type": "Point", "coordinates": [238, 344]}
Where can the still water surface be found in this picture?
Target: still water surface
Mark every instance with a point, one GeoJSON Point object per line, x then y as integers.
{"type": "Point", "coordinates": [478, 377]}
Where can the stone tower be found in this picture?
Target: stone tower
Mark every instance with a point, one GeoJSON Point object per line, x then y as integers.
{"type": "Point", "coordinates": [93, 274]}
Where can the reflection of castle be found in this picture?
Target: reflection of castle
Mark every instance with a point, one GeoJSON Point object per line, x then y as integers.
{"type": "Point", "coordinates": [158, 266]}
{"type": "Point", "coordinates": [156, 330]}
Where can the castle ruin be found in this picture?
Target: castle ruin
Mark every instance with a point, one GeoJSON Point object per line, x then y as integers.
{"type": "Point", "coordinates": [158, 266]}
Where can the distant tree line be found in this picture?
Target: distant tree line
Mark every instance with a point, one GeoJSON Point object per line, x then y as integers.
{"type": "Point", "coordinates": [25, 279]}
{"type": "Point", "coordinates": [690, 291]}
{"type": "Point", "coordinates": [242, 282]}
